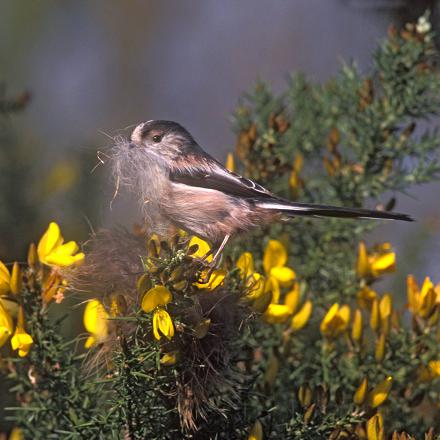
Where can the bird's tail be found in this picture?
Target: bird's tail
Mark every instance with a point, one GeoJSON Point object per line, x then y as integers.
{"type": "Point", "coordinates": [293, 209]}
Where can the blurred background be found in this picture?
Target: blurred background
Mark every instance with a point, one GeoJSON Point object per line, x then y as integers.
{"type": "Point", "coordinates": [95, 68]}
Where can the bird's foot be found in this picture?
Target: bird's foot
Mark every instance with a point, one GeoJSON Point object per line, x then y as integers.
{"type": "Point", "coordinates": [205, 274]}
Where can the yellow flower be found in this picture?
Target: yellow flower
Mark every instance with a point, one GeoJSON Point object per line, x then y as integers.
{"type": "Point", "coordinates": [357, 329]}
{"type": "Point", "coordinates": [361, 392]}
{"type": "Point", "coordinates": [385, 311]}
{"type": "Point", "coordinates": [16, 281]}
{"type": "Point", "coordinates": [169, 359]}
{"type": "Point", "coordinates": [301, 318]}
{"type": "Point", "coordinates": [162, 323]}
{"type": "Point", "coordinates": [6, 325]}
{"type": "Point", "coordinates": [431, 372]}
{"type": "Point", "coordinates": [254, 281]}
{"type": "Point", "coordinates": [375, 430]}
{"type": "Point", "coordinates": [434, 368]}
{"type": "Point", "coordinates": [379, 261]}
{"type": "Point", "coordinates": [203, 249]}
{"type": "Point", "coordinates": [379, 350]}
{"type": "Point", "coordinates": [52, 285]}
{"type": "Point", "coordinates": [335, 321]}
{"type": "Point", "coordinates": [295, 181]}
{"type": "Point", "coordinates": [365, 297]}
{"type": "Point", "coordinates": [277, 313]}
{"type": "Point", "coordinates": [21, 341]}
{"type": "Point", "coordinates": [16, 434]}
{"type": "Point", "coordinates": [274, 263]}
{"type": "Point", "coordinates": [421, 302]}
{"type": "Point", "coordinates": [362, 266]}
{"type": "Point", "coordinates": [5, 279]}
{"type": "Point", "coordinates": [245, 264]}
{"type": "Point", "coordinates": [261, 303]}
{"type": "Point", "coordinates": [95, 321]}
{"type": "Point", "coordinates": [118, 305]}
{"type": "Point", "coordinates": [374, 318]}
{"type": "Point", "coordinates": [156, 296]}
{"type": "Point", "coordinates": [305, 395]}
{"type": "Point", "coordinates": [32, 257]}
{"type": "Point", "coordinates": [256, 431]}
{"type": "Point", "coordinates": [215, 279]}
{"type": "Point", "coordinates": [292, 297]}
{"type": "Point", "coordinates": [54, 252]}
{"type": "Point", "coordinates": [380, 392]}
{"type": "Point", "coordinates": [230, 162]}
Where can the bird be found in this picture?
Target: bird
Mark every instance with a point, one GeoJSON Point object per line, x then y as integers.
{"type": "Point", "coordinates": [180, 184]}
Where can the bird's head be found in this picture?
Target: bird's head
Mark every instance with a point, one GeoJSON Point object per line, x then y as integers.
{"type": "Point", "coordinates": [164, 138]}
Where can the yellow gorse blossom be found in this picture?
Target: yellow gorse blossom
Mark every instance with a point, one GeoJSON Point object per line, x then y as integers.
{"type": "Point", "coordinates": [6, 325]}
{"type": "Point", "coordinates": [162, 324]}
{"type": "Point", "coordinates": [305, 395]}
{"type": "Point", "coordinates": [295, 181]}
{"type": "Point", "coordinates": [280, 313]}
{"type": "Point", "coordinates": [336, 321]}
{"type": "Point", "coordinates": [16, 281]}
{"type": "Point", "coordinates": [361, 392]}
{"type": "Point", "coordinates": [292, 297]}
{"type": "Point", "coordinates": [365, 297]}
{"type": "Point", "coordinates": [21, 341]}
{"type": "Point", "coordinates": [277, 313]}
{"type": "Point", "coordinates": [301, 318]}
{"type": "Point", "coordinates": [380, 392]}
{"type": "Point", "coordinates": [5, 279]}
{"type": "Point", "coordinates": [155, 297]}
{"type": "Point", "coordinates": [274, 263]}
{"type": "Point", "coordinates": [95, 321]}
{"type": "Point", "coordinates": [254, 281]}
{"type": "Point", "coordinates": [230, 162]}
{"type": "Point", "coordinates": [216, 279]}
{"type": "Point", "coordinates": [265, 291]}
{"type": "Point", "coordinates": [256, 431]}
{"type": "Point", "coordinates": [385, 311]}
{"type": "Point", "coordinates": [421, 302]}
{"type": "Point", "coordinates": [16, 434]}
{"type": "Point", "coordinates": [53, 287]}
{"type": "Point", "coordinates": [375, 430]}
{"type": "Point", "coordinates": [431, 372]}
{"type": "Point", "coordinates": [203, 252]}
{"type": "Point", "coordinates": [9, 283]}
{"type": "Point", "coordinates": [375, 263]}
{"type": "Point", "coordinates": [375, 317]}
{"type": "Point", "coordinates": [52, 250]}
{"type": "Point", "coordinates": [169, 358]}
{"type": "Point", "coordinates": [379, 349]}
{"type": "Point", "coordinates": [153, 301]}
{"type": "Point", "coordinates": [434, 368]}
{"type": "Point", "coordinates": [357, 328]}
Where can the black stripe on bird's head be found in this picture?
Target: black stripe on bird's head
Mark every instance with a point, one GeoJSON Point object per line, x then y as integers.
{"type": "Point", "coordinates": [165, 137]}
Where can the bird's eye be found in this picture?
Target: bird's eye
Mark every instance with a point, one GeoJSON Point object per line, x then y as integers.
{"type": "Point", "coordinates": [157, 138]}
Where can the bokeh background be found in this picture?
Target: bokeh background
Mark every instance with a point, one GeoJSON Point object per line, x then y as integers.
{"type": "Point", "coordinates": [96, 68]}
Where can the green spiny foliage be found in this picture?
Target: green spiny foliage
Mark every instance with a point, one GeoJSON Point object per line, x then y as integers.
{"type": "Point", "coordinates": [50, 385]}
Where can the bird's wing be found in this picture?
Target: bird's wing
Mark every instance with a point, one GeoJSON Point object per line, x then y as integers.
{"type": "Point", "coordinates": [211, 174]}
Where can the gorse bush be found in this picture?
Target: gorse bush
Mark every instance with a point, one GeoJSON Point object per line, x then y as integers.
{"type": "Point", "coordinates": [289, 337]}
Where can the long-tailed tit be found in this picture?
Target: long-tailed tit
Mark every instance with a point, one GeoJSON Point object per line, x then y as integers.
{"type": "Point", "coordinates": [179, 183]}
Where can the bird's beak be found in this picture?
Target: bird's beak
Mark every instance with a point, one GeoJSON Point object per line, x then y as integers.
{"type": "Point", "coordinates": [131, 145]}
